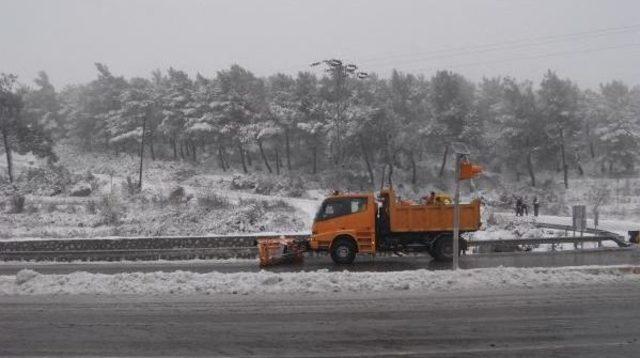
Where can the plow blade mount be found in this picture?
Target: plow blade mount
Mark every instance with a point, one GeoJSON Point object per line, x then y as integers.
{"type": "Point", "coordinates": [281, 250]}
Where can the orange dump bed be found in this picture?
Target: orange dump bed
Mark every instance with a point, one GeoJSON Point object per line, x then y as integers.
{"type": "Point", "coordinates": [412, 217]}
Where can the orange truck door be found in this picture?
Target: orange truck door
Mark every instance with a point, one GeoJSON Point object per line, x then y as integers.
{"type": "Point", "coordinates": [350, 216]}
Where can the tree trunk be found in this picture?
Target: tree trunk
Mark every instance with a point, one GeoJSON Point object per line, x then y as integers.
{"type": "Point", "coordinates": [578, 164]}
{"type": "Point", "coordinates": [151, 150]}
{"type": "Point", "coordinates": [532, 174]}
{"type": "Point", "coordinates": [144, 127]}
{"type": "Point", "coordinates": [384, 167]}
{"type": "Point", "coordinates": [287, 148]}
{"type": "Point", "coordinates": [564, 161]}
{"type": "Point", "coordinates": [175, 149]}
{"type": "Point", "coordinates": [193, 152]}
{"type": "Point", "coordinates": [7, 150]}
{"type": "Point", "coordinates": [592, 151]}
{"type": "Point", "coordinates": [221, 159]}
{"type": "Point", "coordinates": [315, 158]}
{"type": "Point", "coordinates": [530, 163]}
{"type": "Point", "coordinates": [365, 156]}
{"type": "Point", "coordinates": [277, 161]}
{"type": "Point", "coordinates": [390, 178]}
{"type": "Point", "coordinates": [444, 160]}
{"type": "Point", "coordinates": [338, 127]}
{"type": "Point", "coordinates": [414, 178]}
{"type": "Point", "coordinates": [244, 165]}
{"type": "Point", "coordinates": [264, 157]}
{"type": "Point", "coordinates": [181, 150]}
{"type": "Point", "coordinates": [249, 158]}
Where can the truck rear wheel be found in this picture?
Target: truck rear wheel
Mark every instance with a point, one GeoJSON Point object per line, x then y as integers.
{"type": "Point", "coordinates": [343, 251]}
{"type": "Point", "coordinates": [443, 248]}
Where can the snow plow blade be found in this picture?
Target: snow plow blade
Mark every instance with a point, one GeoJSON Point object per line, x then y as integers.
{"type": "Point", "coordinates": [281, 250]}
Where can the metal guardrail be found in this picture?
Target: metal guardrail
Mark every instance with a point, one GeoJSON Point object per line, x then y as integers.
{"type": "Point", "coordinates": [611, 236]}
{"type": "Point", "coordinates": [595, 235]}
{"type": "Point", "coordinates": [131, 254]}
{"type": "Point", "coordinates": [134, 248]}
{"type": "Point", "coordinates": [547, 240]}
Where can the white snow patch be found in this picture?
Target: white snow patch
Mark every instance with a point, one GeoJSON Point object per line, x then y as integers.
{"type": "Point", "coordinates": [29, 282]}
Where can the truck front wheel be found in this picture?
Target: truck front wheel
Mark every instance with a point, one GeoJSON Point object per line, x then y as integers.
{"type": "Point", "coordinates": [343, 251]}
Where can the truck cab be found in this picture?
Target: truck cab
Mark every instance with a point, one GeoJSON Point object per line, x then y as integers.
{"type": "Point", "coordinates": [347, 224]}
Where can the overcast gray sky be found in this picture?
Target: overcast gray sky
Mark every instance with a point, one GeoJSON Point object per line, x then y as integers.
{"type": "Point", "coordinates": [589, 41]}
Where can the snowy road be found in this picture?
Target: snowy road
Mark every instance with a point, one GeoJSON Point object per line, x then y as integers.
{"type": "Point", "coordinates": [593, 321]}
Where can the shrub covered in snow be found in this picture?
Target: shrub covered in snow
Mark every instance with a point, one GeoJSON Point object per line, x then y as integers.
{"type": "Point", "coordinates": [47, 180]}
{"type": "Point", "coordinates": [111, 209]}
{"type": "Point", "coordinates": [269, 184]}
{"type": "Point", "coordinates": [130, 187]}
{"type": "Point", "coordinates": [177, 195]}
{"type": "Point", "coordinates": [213, 201]}
{"type": "Point", "coordinates": [80, 189]}
{"type": "Point", "coordinates": [17, 203]}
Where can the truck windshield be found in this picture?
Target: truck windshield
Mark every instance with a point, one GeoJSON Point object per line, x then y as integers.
{"type": "Point", "coordinates": [332, 208]}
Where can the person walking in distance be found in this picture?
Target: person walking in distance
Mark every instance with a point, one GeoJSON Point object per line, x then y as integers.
{"type": "Point", "coordinates": [536, 206]}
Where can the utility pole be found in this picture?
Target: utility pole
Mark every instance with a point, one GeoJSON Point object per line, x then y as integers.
{"type": "Point", "coordinates": [464, 170]}
{"type": "Point", "coordinates": [456, 214]}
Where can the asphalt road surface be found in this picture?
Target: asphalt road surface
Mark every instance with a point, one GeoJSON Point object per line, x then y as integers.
{"type": "Point", "coordinates": [577, 322]}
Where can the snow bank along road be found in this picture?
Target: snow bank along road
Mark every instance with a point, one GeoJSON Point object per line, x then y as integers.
{"type": "Point", "coordinates": [581, 321]}
{"type": "Point", "coordinates": [381, 263]}
{"type": "Point", "coordinates": [28, 282]}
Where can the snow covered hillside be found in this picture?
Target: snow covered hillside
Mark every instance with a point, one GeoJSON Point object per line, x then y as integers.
{"type": "Point", "coordinates": [92, 195]}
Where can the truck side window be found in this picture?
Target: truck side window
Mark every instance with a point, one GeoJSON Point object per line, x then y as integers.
{"type": "Point", "coordinates": [340, 207]}
{"type": "Point", "coordinates": [333, 208]}
{"type": "Point", "coordinates": [358, 205]}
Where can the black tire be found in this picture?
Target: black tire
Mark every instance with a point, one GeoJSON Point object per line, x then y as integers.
{"type": "Point", "coordinates": [430, 251]}
{"type": "Point", "coordinates": [443, 248]}
{"type": "Point", "coordinates": [343, 251]}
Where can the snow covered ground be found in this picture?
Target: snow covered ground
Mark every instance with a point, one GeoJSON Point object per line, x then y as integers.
{"type": "Point", "coordinates": [28, 282]}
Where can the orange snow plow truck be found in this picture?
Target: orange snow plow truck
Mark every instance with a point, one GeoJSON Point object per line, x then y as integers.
{"type": "Point", "coordinates": [348, 224]}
